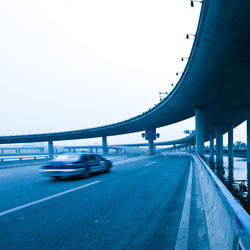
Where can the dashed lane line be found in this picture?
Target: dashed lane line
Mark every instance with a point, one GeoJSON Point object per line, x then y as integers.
{"type": "Point", "coordinates": [128, 160]}
{"type": "Point", "coordinates": [150, 163]}
{"type": "Point", "coordinates": [45, 199]}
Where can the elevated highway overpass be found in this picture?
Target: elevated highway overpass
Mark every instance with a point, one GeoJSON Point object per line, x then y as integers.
{"type": "Point", "coordinates": [214, 85]}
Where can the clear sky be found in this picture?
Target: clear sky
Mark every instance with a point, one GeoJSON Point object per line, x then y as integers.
{"type": "Point", "coordinates": [67, 65]}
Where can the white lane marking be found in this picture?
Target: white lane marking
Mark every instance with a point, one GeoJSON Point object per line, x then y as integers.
{"type": "Point", "coordinates": [137, 158]}
{"type": "Point", "coordinates": [150, 163]}
{"type": "Point", "coordinates": [45, 199]}
{"type": "Point", "coordinates": [182, 238]}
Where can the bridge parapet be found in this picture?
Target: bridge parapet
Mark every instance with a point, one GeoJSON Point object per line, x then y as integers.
{"type": "Point", "coordinates": [8, 160]}
{"type": "Point", "coordinates": [228, 223]}
{"type": "Point", "coordinates": [223, 222]}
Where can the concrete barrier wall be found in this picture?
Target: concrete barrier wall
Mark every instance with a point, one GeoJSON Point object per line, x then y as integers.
{"type": "Point", "coordinates": [227, 222]}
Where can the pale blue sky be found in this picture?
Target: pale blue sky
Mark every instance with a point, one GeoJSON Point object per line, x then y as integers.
{"type": "Point", "coordinates": [67, 65]}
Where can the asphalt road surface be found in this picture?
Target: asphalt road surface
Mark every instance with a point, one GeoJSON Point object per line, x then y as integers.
{"type": "Point", "coordinates": [143, 203]}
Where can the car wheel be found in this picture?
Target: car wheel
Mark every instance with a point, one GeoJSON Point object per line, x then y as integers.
{"type": "Point", "coordinates": [107, 168]}
{"type": "Point", "coordinates": [57, 177]}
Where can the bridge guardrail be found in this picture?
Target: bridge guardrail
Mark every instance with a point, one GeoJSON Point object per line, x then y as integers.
{"type": "Point", "coordinates": [31, 159]}
{"type": "Point", "coordinates": [23, 160]}
{"type": "Point", "coordinates": [228, 223]}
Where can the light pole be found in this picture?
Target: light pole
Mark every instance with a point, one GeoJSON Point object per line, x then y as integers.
{"type": "Point", "coordinates": [160, 95]}
{"type": "Point", "coordinates": [182, 59]}
{"type": "Point", "coordinates": [188, 35]}
{"type": "Point", "coordinates": [192, 2]}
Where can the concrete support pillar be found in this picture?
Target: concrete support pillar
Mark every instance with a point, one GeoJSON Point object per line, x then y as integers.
{"type": "Point", "coordinates": [248, 155]}
{"type": "Point", "coordinates": [219, 146]}
{"type": "Point", "coordinates": [104, 145]}
{"type": "Point", "coordinates": [51, 149]}
{"type": "Point", "coordinates": [248, 137]}
{"type": "Point", "coordinates": [96, 149]}
{"type": "Point", "coordinates": [211, 147]}
{"type": "Point", "coordinates": [199, 131]}
{"type": "Point", "coordinates": [151, 147]}
{"type": "Point", "coordinates": [91, 150]}
{"type": "Point", "coordinates": [230, 143]}
{"type": "Point", "coordinates": [150, 135]}
{"type": "Point", "coordinates": [231, 173]}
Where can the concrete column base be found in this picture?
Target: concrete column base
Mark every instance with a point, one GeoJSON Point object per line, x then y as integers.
{"type": "Point", "coordinates": [151, 147]}
{"type": "Point", "coordinates": [219, 147]}
{"type": "Point", "coordinates": [211, 148]}
{"type": "Point", "coordinates": [230, 143]}
{"type": "Point", "coordinates": [248, 155]}
{"type": "Point", "coordinates": [104, 145]}
{"type": "Point", "coordinates": [248, 137]}
{"type": "Point", "coordinates": [51, 149]}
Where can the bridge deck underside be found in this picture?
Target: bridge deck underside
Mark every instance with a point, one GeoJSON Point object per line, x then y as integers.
{"type": "Point", "coordinates": [216, 78]}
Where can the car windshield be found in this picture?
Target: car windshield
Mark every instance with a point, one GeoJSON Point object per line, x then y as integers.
{"type": "Point", "coordinates": [67, 158]}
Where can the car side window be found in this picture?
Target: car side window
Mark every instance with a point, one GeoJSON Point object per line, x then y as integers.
{"type": "Point", "coordinates": [98, 157]}
{"type": "Point", "coordinates": [84, 158]}
{"type": "Point", "coordinates": [92, 158]}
